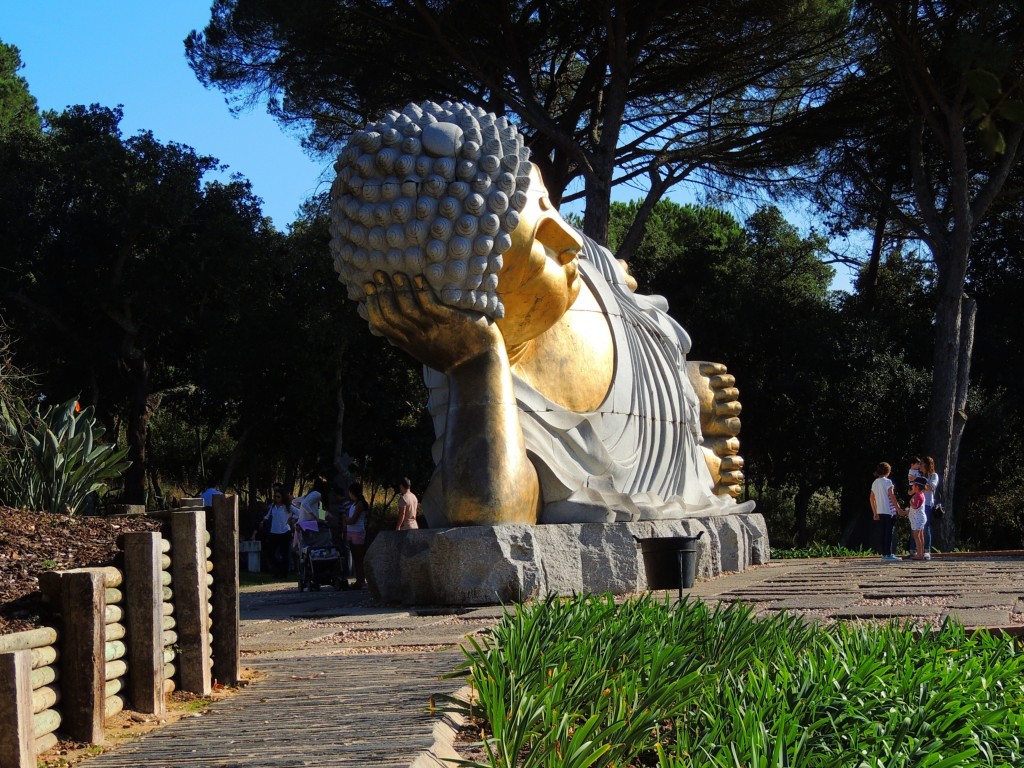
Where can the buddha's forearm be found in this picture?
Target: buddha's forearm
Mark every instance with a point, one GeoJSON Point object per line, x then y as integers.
{"type": "Point", "coordinates": [487, 476]}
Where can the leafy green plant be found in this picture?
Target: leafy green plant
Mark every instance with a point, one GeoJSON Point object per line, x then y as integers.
{"type": "Point", "coordinates": [587, 682]}
{"type": "Point", "coordinates": [54, 457]}
{"type": "Point", "coordinates": [817, 549]}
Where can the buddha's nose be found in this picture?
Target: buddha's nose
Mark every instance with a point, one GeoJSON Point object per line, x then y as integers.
{"type": "Point", "coordinates": [560, 238]}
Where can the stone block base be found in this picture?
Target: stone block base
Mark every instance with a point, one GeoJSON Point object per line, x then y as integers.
{"type": "Point", "coordinates": [481, 565]}
{"type": "Point", "coordinates": [249, 553]}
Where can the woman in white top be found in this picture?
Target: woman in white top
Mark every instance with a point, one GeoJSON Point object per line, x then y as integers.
{"type": "Point", "coordinates": [356, 530]}
{"type": "Point", "coordinates": [884, 508]}
{"type": "Point", "coordinates": [279, 537]}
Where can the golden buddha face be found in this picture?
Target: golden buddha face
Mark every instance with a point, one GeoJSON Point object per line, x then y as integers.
{"type": "Point", "coordinates": [539, 279]}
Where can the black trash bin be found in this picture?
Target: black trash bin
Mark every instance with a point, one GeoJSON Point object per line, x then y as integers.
{"type": "Point", "coordinates": [670, 561]}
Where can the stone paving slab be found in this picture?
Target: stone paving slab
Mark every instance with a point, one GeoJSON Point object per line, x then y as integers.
{"type": "Point", "coordinates": [883, 592]}
{"type": "Point", "coordinates": [816, 602]}
{"type": "Point", "coordinates": [979, 617]}
{"type": "Point", "coordinates": [487, 612]}
{"type": "Point", "coordinates": [885, 611]}
{"type": "Point", "coordinates": [780, 590]}
{"type": "Point", "coordinates": [982, 600]}
{"type": "Point", "coordinates": [744, 597]}
{"type": "Point", "coordinates": [282, 636]}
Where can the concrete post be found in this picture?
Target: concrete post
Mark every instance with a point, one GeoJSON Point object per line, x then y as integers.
{"type": "Point", "coordinates": [17, 747]}
{"type": "Point", "coordinates": [226, 649]}
{"type": "Point", "coordinates": [83, 642]}
{"type": "Point", "coordinates": [144, 622]}
{"type": "Point", "coordinates": [191, 605]}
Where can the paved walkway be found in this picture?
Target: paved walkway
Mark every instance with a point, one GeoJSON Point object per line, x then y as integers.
{"type": "Point", "coordinates": [977, 590]}
{"type": "Point", "coordinates": [348, 682]}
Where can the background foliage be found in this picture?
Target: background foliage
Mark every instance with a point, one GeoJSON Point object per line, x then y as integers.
{"type": "Point", "coordinates": [212, 346]}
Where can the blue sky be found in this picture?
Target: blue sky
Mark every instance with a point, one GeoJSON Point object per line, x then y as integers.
{"type": "Point", "coordinates": [130, 52]}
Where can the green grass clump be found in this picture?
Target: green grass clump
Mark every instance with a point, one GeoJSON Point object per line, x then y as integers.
{"type": "Point", "coordinates": [587, 682]}
{"type": "Point", "coordinates": [820, 550]}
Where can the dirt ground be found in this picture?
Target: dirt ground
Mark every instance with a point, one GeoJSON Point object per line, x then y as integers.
{"type": "Point", "coordinates": [32, 543]}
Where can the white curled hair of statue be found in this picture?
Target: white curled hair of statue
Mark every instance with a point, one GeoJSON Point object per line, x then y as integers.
{"type": "Point", "coordinates": [434, 190]}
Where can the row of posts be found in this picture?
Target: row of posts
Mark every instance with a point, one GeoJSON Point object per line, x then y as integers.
{"type": "Point", "coordinates": [81, 598]}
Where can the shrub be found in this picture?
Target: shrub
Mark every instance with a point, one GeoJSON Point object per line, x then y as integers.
{"type": "Point", "coordinates": [54, 458]}
{"type": "Point", "coordinates": [779, 511]}
{"type": "Point", "coordinates": [586, 682]}
{"type": "Point", "coordinates": [817, 549]}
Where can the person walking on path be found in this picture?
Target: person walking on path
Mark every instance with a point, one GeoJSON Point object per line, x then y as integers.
{"type": "Point", "coordinates": [280, 537]}
{"type": "Point", "coordinates": [884, 508]}
{"type": "Point", "coordinates": [356, 530]}
{"type": "Point", "coordinates": [407, 506]}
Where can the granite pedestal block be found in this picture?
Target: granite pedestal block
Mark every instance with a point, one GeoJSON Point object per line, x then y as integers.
{"type": "Point", "coordinates": [481, 565]}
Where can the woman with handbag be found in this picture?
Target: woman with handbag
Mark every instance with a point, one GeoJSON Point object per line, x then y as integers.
{"type": "Point", "coordinates": [931, 491]}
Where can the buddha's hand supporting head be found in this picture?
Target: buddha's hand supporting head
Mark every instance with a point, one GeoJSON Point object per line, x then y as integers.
{"type": "Point", "coordinates": [446, 193]}
{"type": "Point", "coordinates": [410, 315]}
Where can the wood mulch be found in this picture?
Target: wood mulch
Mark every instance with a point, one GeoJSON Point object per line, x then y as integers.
{"type": "Point", "coordinates": [32, 543]}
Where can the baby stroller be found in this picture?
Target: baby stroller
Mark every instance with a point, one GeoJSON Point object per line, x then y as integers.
{"type": "Point", "coordinates": [319, 560]}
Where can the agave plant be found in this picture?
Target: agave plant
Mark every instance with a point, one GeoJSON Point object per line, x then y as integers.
{"type": "Point", "coordinates": [54, 458]}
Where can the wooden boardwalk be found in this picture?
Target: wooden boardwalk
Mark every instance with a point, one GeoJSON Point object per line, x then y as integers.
{"type": "Point", "coordinates": [362, 710]}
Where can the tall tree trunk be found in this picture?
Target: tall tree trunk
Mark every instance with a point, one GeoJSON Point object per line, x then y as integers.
{"type": "Point", "coordinates": [341, 460]}
{"type": "Point", "coordinates": [154, 478]}
{"type": "Point", "coordinates": [638, 228]}
{"type": "Point", "coordinates": [238, 450]}
{"type": "Point", "coordinates": [801, 505]}
{"type": "Point", "coordinates": [598, 201]}
{"type": "Point", "coordinates": [954, 344]}
{"type": "Point", "coordinates": [947, 488]}
{"type": "Point", "coordinates": [870, 288]}
{"type": "Point", "coordinates": [139, 411]}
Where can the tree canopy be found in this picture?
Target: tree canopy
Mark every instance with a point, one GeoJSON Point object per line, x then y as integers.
{"type": "Point", "coordinates": [607, 93]}
{"type": "Point", "coordinates": [18, 108]}
{"type": "Point", "coordinates": [927, 158]}
{"type": "Point", "coordinates": [213, 344]}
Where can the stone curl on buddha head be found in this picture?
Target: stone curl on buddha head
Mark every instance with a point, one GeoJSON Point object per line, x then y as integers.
{"type": "Point", "coordinates": [434, 190]}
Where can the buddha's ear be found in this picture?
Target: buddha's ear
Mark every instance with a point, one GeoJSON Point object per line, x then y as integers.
{"type": "Point", "coordinates": [555, 234]}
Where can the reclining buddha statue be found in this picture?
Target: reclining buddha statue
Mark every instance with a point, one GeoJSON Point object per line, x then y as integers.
{"type": "Point", "coordinates": [558, 394]}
